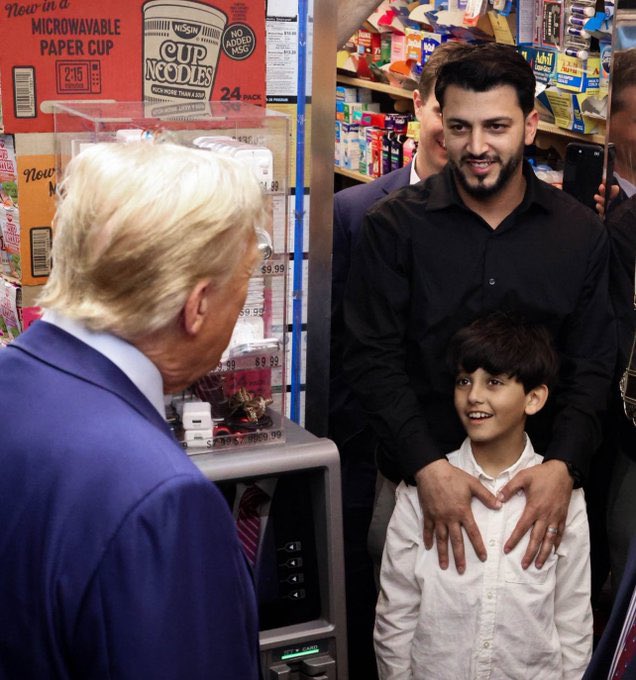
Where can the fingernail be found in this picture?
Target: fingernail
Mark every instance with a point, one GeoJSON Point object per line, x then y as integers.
{"type": "Point", "coordinates": [506, 550]}
{"type": "Point", "coordinates": [460, 570]}
{"type": "Point", "coordinates": [500, 497]}
{"type": "Point", "coordinates": [498, 504]}
{"type": "Point", "coordinates": [483, 557]}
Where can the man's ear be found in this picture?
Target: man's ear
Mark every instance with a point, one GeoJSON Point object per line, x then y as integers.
{"type": "Point", "coordinates": [531, 124]}
{"type": "Point", "coordinates": [535, 399]}
{"type": "Point", "coordinates": [196, 307]}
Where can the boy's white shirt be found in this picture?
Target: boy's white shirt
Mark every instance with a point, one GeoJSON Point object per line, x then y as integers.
{"type": "Point", "coordinates": [495, 621]}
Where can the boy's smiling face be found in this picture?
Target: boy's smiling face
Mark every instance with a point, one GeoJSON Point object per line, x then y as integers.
{"type": "Point", "coordinates": [493, 409]}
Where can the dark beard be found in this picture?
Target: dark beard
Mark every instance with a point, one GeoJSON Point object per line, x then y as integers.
{"type": "Point", "coordinates": [481, 191]}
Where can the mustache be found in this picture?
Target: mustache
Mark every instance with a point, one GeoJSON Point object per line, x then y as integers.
{"type": "Point", "coordinates": [481, 157]}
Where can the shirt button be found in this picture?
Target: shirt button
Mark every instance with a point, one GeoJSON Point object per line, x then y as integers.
{"type": "Point", "coordinates": [492, 282]}
{"type": "Point", "coordinates": [491, 541]}
{"type": "Point", "coordinates": [489, 595]}
{"type": "Point", "coordinates": [486, 645]}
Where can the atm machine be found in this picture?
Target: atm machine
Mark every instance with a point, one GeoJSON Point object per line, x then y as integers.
{"type": "Point", "coordinates": [301, 591]}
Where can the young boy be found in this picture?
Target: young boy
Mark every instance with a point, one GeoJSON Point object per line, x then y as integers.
{"type": "Point", "coordinates": [496, 620]}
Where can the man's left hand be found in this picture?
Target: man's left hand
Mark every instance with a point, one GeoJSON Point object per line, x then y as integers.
{"type": "Point", "coordinates": [548, 488]}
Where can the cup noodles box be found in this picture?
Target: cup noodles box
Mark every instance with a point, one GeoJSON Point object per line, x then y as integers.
{"type": "Point", "coordinates": [157, 51]}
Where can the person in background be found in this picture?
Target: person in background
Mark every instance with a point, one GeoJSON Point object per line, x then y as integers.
{"type": "Point", "coordinates": [621, 497]}
{"type": "Point", "coordinates": [496, 620]}
{"type": "Point", "coordinates": [118, 558]}
{"type": "Point", "coordinates": [484, 234]}
{"type": "Point", "coordinates": [622, 120]}
{"type": "Point", "coordinates": [356, 441]}
{"type": "Point", "coordinates": [614, 657]}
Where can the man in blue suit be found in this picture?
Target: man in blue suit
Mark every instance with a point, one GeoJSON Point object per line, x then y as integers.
{"type": "Point", "coordinates": [118, 558]}
{"type": "Point", "coordinates": [608, 660]}
{"type": "Point", "coordinates": [347, 428]}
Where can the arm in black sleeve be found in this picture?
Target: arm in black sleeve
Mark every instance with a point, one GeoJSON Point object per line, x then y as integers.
{"type": "Point", "coordinates": [376, 311]}
{"type": "Point", "coordinates": [587, 345]}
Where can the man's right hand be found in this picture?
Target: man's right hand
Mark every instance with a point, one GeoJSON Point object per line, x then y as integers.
{"type": "Point", "coordinates": [445, 494]}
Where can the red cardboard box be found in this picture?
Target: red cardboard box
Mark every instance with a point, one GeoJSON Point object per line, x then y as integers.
{"type": "Point", "coordinates": [158, 50]}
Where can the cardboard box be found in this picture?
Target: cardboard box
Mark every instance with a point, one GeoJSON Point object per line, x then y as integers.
{"type": "Point", "coordinates": [35, 155]}
{"type": "Point", "coordinates": [543, 61]}
{"type": "Point", "coordinates": [567, 109]}
{"type": "Point", "coordinates": [577, 75]}
{"type": "Point", "coordinates": [158, 50]}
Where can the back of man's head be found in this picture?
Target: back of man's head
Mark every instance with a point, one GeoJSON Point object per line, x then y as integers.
{"type": "Point", "coordinates": [506, 344]}
{"type": "Point", "coordinates": [138, 225]}
{"type": "Point", "coordinates": [623, 75]}
{"type": "Point", "coordinates": [481, 68]}
{"type": "Point", "coordinates": [442, 54]}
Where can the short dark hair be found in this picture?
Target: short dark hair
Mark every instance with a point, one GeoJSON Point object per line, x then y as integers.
{"type": "Point", "coordinates": [441, 55]}
{"type": "Point", "coordinates": [622, 75]}
{"type": "Point", "coordinates": [503, 343]}
{"type": "Point", "coordinates": [484, 67]}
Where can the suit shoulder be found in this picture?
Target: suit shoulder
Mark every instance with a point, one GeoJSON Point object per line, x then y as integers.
{"type": "Point", "coordinates": [370, 192]}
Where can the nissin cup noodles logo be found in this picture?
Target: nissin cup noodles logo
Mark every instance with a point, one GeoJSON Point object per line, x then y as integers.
{"type": "Point", "coordinates": [185, 30]}
{"type": "Point", "coordinates": [180, 63]}
{"type": "Point", "coordinates": [181, 49]}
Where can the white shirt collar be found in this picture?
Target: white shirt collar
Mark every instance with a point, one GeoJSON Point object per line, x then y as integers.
{"type": "Point", "coordinates": [466, 461]}
{"type": "Point", "coordinates": [136, 365]}
{"type": "Point", "coordinates": [625, 185]}
{"type": "Point", "coordinates": [414, 178]}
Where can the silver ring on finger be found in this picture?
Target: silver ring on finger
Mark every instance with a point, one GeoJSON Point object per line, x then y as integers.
{"type": "Point", "coordinates": [552, 530]}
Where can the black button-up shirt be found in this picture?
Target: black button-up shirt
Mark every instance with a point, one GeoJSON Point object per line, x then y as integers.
{"type": "Point", "coordinates": [427, 266]}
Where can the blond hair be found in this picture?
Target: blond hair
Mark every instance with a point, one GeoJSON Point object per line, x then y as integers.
{"type": "Point", "coordinates": [137, 225]}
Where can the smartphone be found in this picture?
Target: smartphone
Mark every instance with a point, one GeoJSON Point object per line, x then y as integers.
{"type": "Point", "coordinates": [583, 170]}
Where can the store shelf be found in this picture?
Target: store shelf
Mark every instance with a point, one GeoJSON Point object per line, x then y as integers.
{"type": "Point", "coordinates": [546, 128]}
{"type": "Point", "coordinates": [352, 174]}
{"type": "Point", "coordinates": [375, 86]}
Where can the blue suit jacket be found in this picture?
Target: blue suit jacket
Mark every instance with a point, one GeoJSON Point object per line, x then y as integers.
{"type": "Point", "coordinates": [118, 559]}
{"type": "Point", "coordinates": [350, 207]}
{"type": "Point", "coordinates": [604, 653]}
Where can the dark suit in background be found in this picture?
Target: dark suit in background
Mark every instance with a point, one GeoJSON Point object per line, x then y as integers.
{"type": "Point", "coordinates": [604, 653]}
{"type": "Point", "coordinates": [347, 429]}
{"type": "Point", "coordinates": [118, 558]}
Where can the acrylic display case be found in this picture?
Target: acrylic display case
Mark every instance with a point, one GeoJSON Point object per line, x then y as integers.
{"type": "Point", "coordinates": [239, 403]}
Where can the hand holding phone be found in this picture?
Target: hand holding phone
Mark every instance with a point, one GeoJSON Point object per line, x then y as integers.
{"type": "Point", "coordinates": [583, 170]}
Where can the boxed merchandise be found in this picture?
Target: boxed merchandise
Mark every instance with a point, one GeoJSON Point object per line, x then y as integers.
{"type": "Point", "coordinates": [10, 233]}
{"type": "Point", "coordinates": [35, 156]}
{"type": "Point", "coordinates": [351, 147]}
{"type": "Point", "coordinates": [10, 305]}
{"type": "Point", "coordinates": [346, 94]}
{"type": "Point", "coordinates": [8, 172]}
{"type": "Point", "coordinates": [568, 110]}
{"type": "Point", "coordinates": [577, 75]}
{"type": "Point", "coordinates": [370, 45]}
{"type": "Point", "coordinates": [177, 51]}
{"type": "Point", "coordinates": [551, 25]}
{"type": "Point", "coordinates": [398, 47]}
{"type": "Point", "coordinates": [543, 61]}
{"type": "Point", "coordinates": [413, 47]}
{"type": "Point", "coordinates": [431, 41]}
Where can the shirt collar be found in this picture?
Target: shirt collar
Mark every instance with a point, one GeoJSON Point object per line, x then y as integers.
{"type": "Point", "coordinates": [443, 191]}
{"type": "Point", "coordinates": [466, 461]}
{"type": "Point", "coordinates": [414, 178]}
{"type": "Point", "coordinates": [133, 363]}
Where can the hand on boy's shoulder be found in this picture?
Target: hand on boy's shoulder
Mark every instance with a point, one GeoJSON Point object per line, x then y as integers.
{"type": "Point", "coordinates": [445, 493]}
{"type": "Point", "coordinates": [548, 488]}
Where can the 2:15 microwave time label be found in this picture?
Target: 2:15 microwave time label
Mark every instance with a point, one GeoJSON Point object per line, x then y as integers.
{"type": "Point", "coordinates": [78, 76]}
